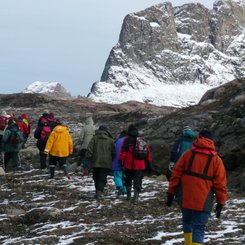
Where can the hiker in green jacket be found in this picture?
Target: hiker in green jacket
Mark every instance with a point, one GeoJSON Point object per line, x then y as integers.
{"type": "Point", "coordinates": [101, 150]}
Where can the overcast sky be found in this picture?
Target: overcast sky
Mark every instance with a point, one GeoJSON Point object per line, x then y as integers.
{"type": "Point", "coordinates": [65, 41]}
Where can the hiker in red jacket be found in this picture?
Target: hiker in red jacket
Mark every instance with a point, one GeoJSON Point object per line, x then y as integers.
{"type": "Point", "coordinates": [27, 122]}
{"type": "Point", "coordinates": [196, 177]}
{"type": "Point", "coordinates": [132, 165]}
{"type": "Point", "coordinates": [24, 129]}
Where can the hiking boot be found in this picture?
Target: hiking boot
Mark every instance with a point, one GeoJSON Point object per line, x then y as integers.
{"type": "Point", "coordinates": [98, 195]}
{"type": "Point", "coordinates": [136, 196]}
{"type": "Point", "coordinates": [128, 193]}
{"type": "Point", "coordinates": [119, 192]}
{"type": "Point", "coordinates": [52, 170]}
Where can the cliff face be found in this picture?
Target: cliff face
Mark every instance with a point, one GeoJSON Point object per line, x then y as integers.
{"type": "Point", "coordinates": [165, 46]}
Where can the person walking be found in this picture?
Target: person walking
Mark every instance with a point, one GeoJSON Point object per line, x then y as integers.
{"type": "Point", "coordinates": [42, 134]}
{"type": "Point", "coordinates": [118, 172]}
{"type": "Point", "coordinates": [182, 144]}
{"type": "Point", "coordinates": [101, 150]}
{"type": "Point", "coordinates": [133, 165]}
{"type": "Point", "coordinates": [12, 141]}
{"type": "Point", "coordinates": [198, 175]}
{"type": "Point", "coordinates": [86, 135]}
{"type": "Point", "coordinates": [59, 146]}
{"type": "Point", "coordinates": [3, 124]}
{"type": "Point", "coordinates": [27, 122]}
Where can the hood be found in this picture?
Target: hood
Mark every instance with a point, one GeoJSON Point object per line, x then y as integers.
{"type": "Point", "coordinates": [189, 134]}
{"type": "Point", "coordinates": [204, 145]}
{"type": "Point", "coordinates": [13, 127]}
{"type": "Point", "coordinates": [89, 121]}
{"type": "Point", "coordinates": [4, 113]}
{"type": "Point", "coordinates": [60, 129]}
{"type": "Point", "coordinates": [102, 134]}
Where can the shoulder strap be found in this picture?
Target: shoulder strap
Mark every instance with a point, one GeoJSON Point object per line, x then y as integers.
{"type": "Point", "coordinates": [205, 171]}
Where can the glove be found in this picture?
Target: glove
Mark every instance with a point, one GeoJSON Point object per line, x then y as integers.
{"type": "Point", "coordinates": [45, 152]}
{"type": "Point", "coordinates": [170, 198]}
{"type": "Point", "coordinates": [218, 209]}
{"type": "Point", "coordinates": [171, 166]}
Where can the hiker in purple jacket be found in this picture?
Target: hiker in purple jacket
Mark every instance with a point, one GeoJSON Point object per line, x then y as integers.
{"type": "Point", "coordinates": [119, 176]}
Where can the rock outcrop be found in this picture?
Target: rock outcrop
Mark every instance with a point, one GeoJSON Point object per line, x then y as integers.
{"type": "Point", "coordinates": [164, 45]}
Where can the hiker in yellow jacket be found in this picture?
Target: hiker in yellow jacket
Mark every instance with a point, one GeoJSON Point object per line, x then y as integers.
{"type": "Point", "coordinates": [59, 146]}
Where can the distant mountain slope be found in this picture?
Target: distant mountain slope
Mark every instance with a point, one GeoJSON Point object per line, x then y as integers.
{"type": "Point", "coordinates": [46, 87]}
{"type": "Point", "coordinates": [172, 55]}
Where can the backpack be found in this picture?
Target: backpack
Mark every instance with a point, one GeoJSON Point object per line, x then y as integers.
{"type": "Point", "coordinates": [3, 122]}
{"type": "Point", "coordinates": [46, 131]}
{"type": "Point", "coordinates": [140, 149]}
{"type": "Point", "coordinates": [14, 138]}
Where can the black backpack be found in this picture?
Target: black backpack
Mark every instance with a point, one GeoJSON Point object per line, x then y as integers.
{"type": "Point", "coordinates": [140, 149]}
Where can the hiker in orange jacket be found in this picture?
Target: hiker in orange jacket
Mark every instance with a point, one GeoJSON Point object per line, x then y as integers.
{"type": "Point", "coordinates": [196, 177]}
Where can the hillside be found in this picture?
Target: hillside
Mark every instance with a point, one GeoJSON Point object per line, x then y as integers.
{"type": "Point", "coordinates": [36, 210]}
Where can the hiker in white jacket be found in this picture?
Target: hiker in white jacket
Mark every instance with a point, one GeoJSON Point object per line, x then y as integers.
{"type": "Point", "coordinates": [87, 133]}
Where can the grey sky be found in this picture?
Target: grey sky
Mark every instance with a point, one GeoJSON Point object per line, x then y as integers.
{"type": "Point", "coordinates": [66, 41]}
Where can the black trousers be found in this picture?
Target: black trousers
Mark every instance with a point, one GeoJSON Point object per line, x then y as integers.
{"type": "Point", "coordinates": [134, 177]}
{"type": "Point", "coordinates": [100, 178]}
{"type": "Point", "coordinates": [8, 156]}
{"type": "Point", "coordinates": [43, 160]}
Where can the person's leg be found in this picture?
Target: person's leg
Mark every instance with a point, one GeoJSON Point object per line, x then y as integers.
{"type": "Point", "coordinates": [128, 182]}
{"type": "Point", "coordinates": [82, 156]}
{"type": "Point", "coordinates": [62, 164]}
{"type": "Point", "coordinates": [15, 159]}
{"type": "Point", "coordinates": [187, 226]}
{"type": "Point", "coordinates": [118, 180]}
{"type": "Point", "coordinates": [52, 164]}
{"type": "Point", "coordinates": [43, 160]}
{"type": "Point", "coordinates": [199, 222]}
{"type": "Point", "coordinates": [98, 182]}
{"type": "Point", "coordinates": [138, 176]}
{"type": "Point", "coordinates": [7, 157]}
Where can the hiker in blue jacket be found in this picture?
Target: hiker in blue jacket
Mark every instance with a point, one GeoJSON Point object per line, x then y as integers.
{"type": "Point", "coordinates": [182, 144]}
{"type": "Point", "coordinates": [117, 168]}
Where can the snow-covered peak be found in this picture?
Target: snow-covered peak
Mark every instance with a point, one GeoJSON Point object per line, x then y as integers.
{"type": "Point", "coordinates": [45, 87]}
{"type": "Point", "coordinates": [172, 55]}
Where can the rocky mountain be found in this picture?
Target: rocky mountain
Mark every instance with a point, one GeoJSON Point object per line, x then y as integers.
{"type": "Point", "coordinates": [37, 210]}
{"type": "Point", "coordinates": [172, 55]}
{"type": "Point", "coordinates": [46, 88]}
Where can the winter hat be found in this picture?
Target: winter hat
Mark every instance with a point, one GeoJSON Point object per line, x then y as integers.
{"type": "Point", "coordinates": [186, 128]}
{"type": "Point", "coordinates": [4, 113]}
{"type": "Point", "coordinates": [45, 114]}
{"type": "Point", "coordinates": [123, 133]}
{"type": "Point", "coordinates": [206, 134]}
{"type": "Point", "coordinates": [103, 127]}
{"type": "Point", "coordinates": [132, 128]}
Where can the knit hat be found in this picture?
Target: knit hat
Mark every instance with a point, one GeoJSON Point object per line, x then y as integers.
{"type": "Point", "coordinates": [186, 128]}
{"type": "Point", "coordinates": [103, 127]}
{"type": "Point", "coordinates": [132, 128]}
{"type": "Point", "coordinates": [206, 134]}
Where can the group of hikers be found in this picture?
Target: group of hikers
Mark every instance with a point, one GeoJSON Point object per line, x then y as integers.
{"type": "Point", "coordinates": [14, 132]}
{"type": "Point", "coordinates": [197, 174]}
